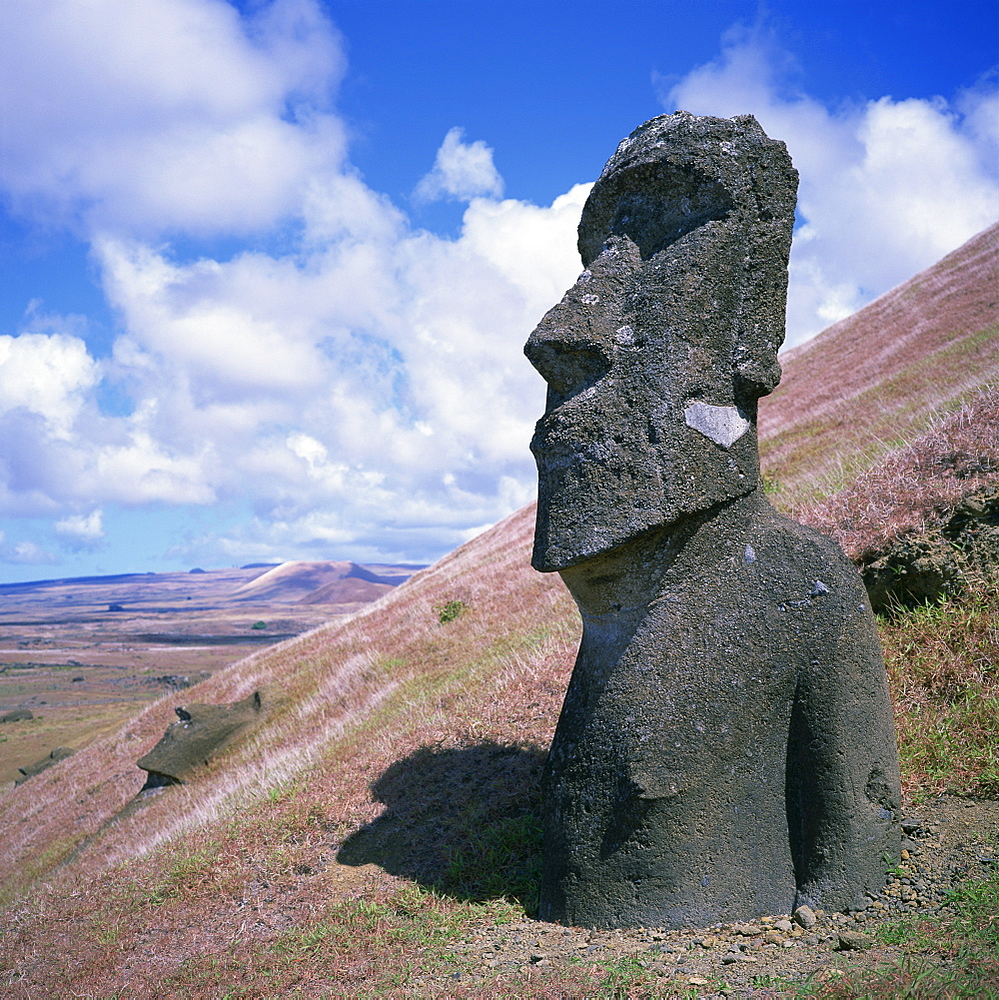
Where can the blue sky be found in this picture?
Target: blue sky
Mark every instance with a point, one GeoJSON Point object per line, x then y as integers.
{"type": "Point", "coordinates": [268, 266]}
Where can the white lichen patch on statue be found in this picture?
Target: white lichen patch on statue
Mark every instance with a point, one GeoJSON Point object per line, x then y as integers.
{"type": "Point", "coordinates": [723, 424]}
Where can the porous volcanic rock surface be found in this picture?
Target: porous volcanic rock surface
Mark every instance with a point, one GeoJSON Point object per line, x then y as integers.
{"type": "Point", "coordinates": [713, 626]}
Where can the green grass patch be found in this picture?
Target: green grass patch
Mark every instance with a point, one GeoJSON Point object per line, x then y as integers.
{"type": "Point", "coordinates": [499, 859]}
{"type": "Point", "coordinates": [450, 610]}
{"type": "Point", "coordinates": [386, 668]}
{"type": "Point", "coordinates": [953, 955]}
{"type": "Point", "coordinates": [406, 944]}
{"type": "Point", "coordinates": [369, 947]}
{"type": "Point", "coordinates": [184, 872]}
{"type": "Point", "coordinates": [943, 673]}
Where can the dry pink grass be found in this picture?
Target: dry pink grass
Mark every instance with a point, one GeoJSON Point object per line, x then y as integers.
{"type": "Point", "coordinates": [915, 487]}
{"type": "Point", "coordinates": [322, 684]}
{"type": "Point", "coordinates": [875, 379]}
{"type": "Point", "coordinates": [358, 697]}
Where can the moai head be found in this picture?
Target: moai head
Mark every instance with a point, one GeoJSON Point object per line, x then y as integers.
{"type": "Point", "coordinates": [656, 357]}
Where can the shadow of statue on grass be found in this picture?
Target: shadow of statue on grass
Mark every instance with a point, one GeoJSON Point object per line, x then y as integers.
{"type": "Point", "coordinates": [462, 821]}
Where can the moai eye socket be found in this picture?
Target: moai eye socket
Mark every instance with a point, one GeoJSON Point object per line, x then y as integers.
{"type": "Point", "coordinates": [654, 205]}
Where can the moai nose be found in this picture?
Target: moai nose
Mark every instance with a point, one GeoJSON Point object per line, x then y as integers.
{"type": "Point", "coordinates": [567, 363]}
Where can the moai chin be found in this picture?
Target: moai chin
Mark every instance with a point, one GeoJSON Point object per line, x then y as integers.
{"type": "Point", "coordinates": [726, 747]}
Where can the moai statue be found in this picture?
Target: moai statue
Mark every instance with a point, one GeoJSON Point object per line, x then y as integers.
{"type": "Point", "coordinates": [726, 747]}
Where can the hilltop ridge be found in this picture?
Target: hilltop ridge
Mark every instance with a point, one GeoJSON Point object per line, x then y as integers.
{"type": "Point", "coordinates": [325, 582]}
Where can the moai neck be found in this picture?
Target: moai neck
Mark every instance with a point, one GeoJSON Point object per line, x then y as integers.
{"type": "Point", "coordinates": [615, 589]}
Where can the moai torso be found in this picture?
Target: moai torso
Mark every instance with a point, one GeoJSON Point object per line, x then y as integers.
{"type": "Point", "coordinates": [726, 747]}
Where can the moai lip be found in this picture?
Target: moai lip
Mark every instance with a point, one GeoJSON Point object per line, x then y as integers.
{"type": "Point", "coordinates": [726, 747]}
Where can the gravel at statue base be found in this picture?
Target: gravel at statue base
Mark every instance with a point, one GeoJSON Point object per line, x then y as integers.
{"type": "Point", "coordinates": [947, 841]}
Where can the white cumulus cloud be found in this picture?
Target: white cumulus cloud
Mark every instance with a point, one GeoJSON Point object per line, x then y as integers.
{"type": "Point", "coordinates": [886, 187]}
{"type": "Point", "coordinates": [165, 115]}
{"type": "Point", "coordinates": [25, 553]}
{"type": "Point", "coordinates": [378, 374]}
{"type": "Point", "coordinates": [363, 386]}
{"type": "Point", "coordinates": [81, 531]}
{"type": "Point", "coordinates": [357, 386]}
{"type": "Point", "coordinates": [47, 374]}
{"type": "Point", "coordinates": [462, 170]}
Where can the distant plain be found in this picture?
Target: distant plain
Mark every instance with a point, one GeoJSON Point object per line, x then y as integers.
{"type": "Point", "coordinates": [82, 669]}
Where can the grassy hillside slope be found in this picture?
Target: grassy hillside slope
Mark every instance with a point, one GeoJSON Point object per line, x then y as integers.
{"type": "Point", "coordinates": [445, 702]}
{"type": "Point", "coordinates": [389, 805]}
{"type": "Point", "coordinates": [878, 378]}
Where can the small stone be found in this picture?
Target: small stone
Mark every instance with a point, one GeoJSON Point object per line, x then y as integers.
{"type": "Point", "coordinates": [805, 916]}
{"type": "Point", "coordinates": [747, 930]}
{"type": "Point", "coordinates": [773, 937]}
{"type": "Point", "coordinates": [784, 925]}
{"type": "Point", "coordinates": [854, 941]}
